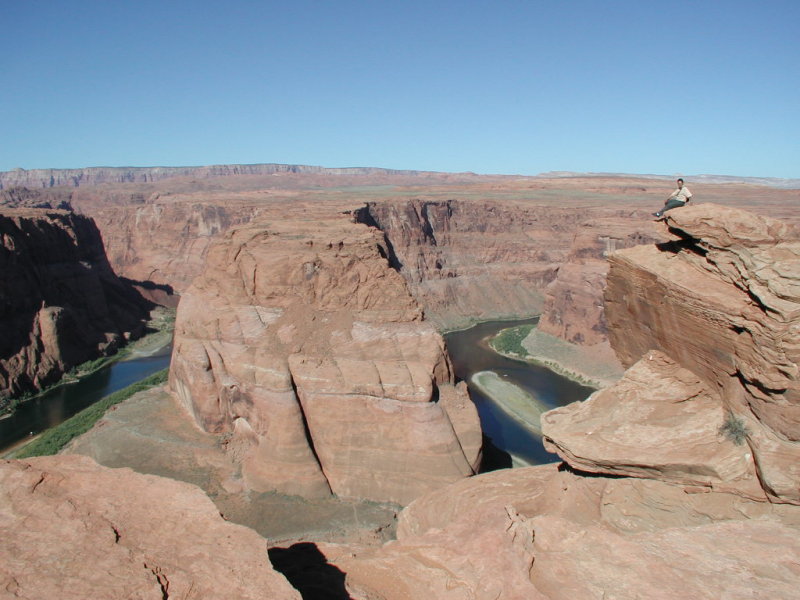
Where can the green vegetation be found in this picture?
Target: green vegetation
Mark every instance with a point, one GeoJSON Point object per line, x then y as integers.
{"type": "Point", "coordinates": [734, 429]}
{"type": "Point", "coordinates": [159, 334]}
{"type": "Point", "coordinates": [509, 341]}
{"type": "Point", "coordinates": [54, 439]}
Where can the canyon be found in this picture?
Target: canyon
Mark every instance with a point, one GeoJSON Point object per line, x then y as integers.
{"type": "Point", "coordinates": [308, 361]}
{"type": "Point", "coordinates": [62, 303]}
{"type": "Point", "coordinates": [678, 480]}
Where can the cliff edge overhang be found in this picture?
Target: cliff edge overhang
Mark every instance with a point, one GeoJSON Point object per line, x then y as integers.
{"type": "Point", "coordinates": [709, 324]}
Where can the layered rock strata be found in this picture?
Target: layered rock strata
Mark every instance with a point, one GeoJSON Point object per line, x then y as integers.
{"type": "Point", "coordinates": [723, 301]}
{"type": "Point", "coordinates": [60, 302]}
{"type": "Point", "coordinates": [573, 306]}
{"type": "Point", "coordinates": [305, 346]}
{"type": "Point", "coordinates": [469, 261]}
{"type": "Point", "coordinates": [48, 178]}
{"type": "Point", "coordinates": [72, 529]}
{"type": "Point", "coordinates": [661, 493]}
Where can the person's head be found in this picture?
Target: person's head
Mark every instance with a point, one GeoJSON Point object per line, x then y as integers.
{"type": "Point", "coordinates": [680, 183]}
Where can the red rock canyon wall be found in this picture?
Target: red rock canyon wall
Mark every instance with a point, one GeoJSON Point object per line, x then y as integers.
{"type": "Point", "coordinates": [60, 302]}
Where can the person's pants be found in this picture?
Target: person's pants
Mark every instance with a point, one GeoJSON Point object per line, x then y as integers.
{"type": "Point", "coordinates": [671, 203]}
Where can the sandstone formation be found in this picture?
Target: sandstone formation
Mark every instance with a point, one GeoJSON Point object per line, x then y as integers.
{"type": "Point", "coordinates": [474, 260]}
{"type": "Point", "coordinates": [661, 494]}
{"type": "Point", "coordinates": [546, 533]}
{"type": "Point", "coordinates": [573, 307]}
{"type": "Point", "coordinates": [60, 302]}
{"type": "Point", "coordinates": [722, 301]}
{"type": "Point", "coordinates": [74, 530]}
{"type": "Point", "coordinates": [305, 345]}
{"type": "Point", "coordinates": [470, 247]}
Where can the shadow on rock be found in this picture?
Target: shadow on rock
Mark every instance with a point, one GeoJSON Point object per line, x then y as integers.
{"type": "Point", "coordinates": [309, 572]}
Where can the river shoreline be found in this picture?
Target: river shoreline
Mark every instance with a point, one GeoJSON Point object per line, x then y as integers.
{"type": "Point", "coordinates": [162, 323]}
{"type": "Point", "coordinates": [516, 402]}
{"type": "Point", "coordinates": [595, 366]}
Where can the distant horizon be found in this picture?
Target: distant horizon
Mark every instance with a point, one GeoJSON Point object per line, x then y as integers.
{"type": "Point", "coordinates": [544, 174]}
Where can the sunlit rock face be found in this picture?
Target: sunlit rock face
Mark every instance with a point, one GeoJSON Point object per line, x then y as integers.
{"type": "Point", "coordinates": [468, 260]}
{"type": "Point", "coordinates": [72, 529]}
{"type": "Point", "coordinates": [723, 301]}
{"type": "Point", "coordinates": [573, 307]}
{"type": "Point", "coordinates": [302, 343]}
{"type": "Point", "coordinates": [61, 304]}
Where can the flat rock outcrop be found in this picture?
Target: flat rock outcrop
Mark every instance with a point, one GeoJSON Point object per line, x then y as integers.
{"type": "Point", "coordinates": [660, 421]}
{"type": "Point", "coordinates": [302, 343]}
{"type": "Point", "coordinates": [547, 533]}
{"type": "Point", "coordinates": [72, 529]}
{"type": "Point", "coordinates": [61, 304]}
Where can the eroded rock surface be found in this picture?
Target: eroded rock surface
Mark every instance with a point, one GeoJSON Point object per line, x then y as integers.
{"type": "Point", "coordinates": [660, 421]}
{"type": "Point", "coordinates": [72, 529]}
{"type": "Point", "coordinates": [305, 345]}
{"type": "Point", "coordinates": [542, 532]}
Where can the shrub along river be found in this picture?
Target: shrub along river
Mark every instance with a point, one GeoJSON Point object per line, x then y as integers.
{"type": "Point", "coordinates": [519, 389]}
{"type": "Point", "coordinates": [60, 403]}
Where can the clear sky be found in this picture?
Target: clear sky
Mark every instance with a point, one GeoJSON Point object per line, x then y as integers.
{"type": "Point", "coordinates": [491, 87]}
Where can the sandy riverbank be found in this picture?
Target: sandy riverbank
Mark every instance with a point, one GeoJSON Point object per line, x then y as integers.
{"type": "Point", "coordinates": [516, 402]}
{"type": "Point", "coordinates": [594, 366]}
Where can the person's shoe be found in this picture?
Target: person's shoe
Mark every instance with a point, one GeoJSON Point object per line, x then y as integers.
{"type": "Point", "coordinates": [655, 214]}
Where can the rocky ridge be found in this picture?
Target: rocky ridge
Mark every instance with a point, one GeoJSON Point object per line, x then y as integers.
{"type": "Point", "coordinates": [658, 496]}
{"type": "Point", "coordinates": [304, 345]}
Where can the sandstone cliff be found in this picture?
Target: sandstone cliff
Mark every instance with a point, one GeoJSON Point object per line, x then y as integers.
{"type": "Point", "coordinates": [60, 302]}
{"type": "Point", "coordinates": [679, 481]}
{"type": "Point", "coordinates": [469, 261]}
{"type": "Point", "coordinates": [723, 301]}
{"type": "Point", "coordinates": [573, 306]}
{"type": "Point", "coordinates": [304, 345]}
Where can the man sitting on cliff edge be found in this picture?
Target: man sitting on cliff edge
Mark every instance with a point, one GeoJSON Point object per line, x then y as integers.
{"type": "Point", "coordinates": [679, 197]}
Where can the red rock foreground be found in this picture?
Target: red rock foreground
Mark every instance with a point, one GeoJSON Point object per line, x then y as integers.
{"type": "Point", "coordinates": [71, 529]}
{"type": "Point", "coordinates": [306, 347]}
{"type": "Point", "coordinates": [693, 453]}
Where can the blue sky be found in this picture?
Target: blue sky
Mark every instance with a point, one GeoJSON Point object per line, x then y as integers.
{"type": "Point", "coordinates": [490, 87]}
